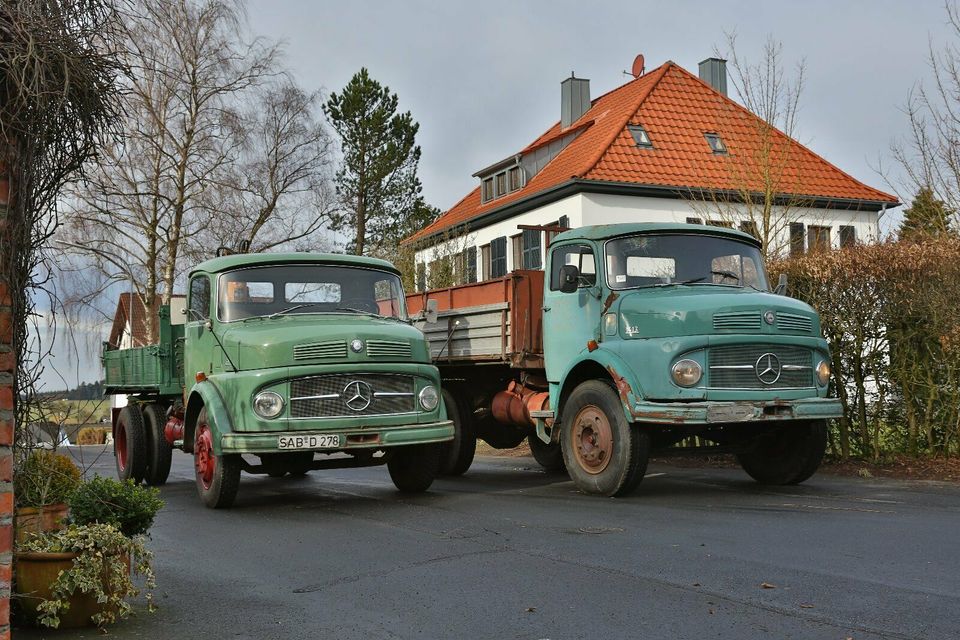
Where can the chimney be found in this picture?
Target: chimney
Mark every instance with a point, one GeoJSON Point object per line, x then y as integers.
{"type": "Point", "coordinates": [574, 100]}
{"type": "Point", "coordinates": [713, 71]}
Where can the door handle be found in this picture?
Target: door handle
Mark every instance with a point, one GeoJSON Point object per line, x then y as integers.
{"type": "Point", "coordinates": [545, 309]}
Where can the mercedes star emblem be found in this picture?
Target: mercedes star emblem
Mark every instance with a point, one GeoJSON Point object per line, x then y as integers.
{"type": "Point", "coordinates": [357, 345]}
{"type": "Point", "coordinates": [768, 368]}
{"type": "Point", "coordinates": [357, 395]}
{"type": "Point", "coordinates": [769, 317]}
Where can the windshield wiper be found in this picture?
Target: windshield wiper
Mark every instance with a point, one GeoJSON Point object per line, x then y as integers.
{"type": "Point", "coordinates": [293, 308]}
{"type": "Point", "coordinates": [675, 283]}
{"type": "Point", "coordinates": [728, 274]}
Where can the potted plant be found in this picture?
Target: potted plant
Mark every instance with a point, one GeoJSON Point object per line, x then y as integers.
{"type": "Point", "coordinates": [129, 507]}
{"type": "Point", "coordinates": [43, 483]}
{"type": "Point", "coordinates": [80, 575]}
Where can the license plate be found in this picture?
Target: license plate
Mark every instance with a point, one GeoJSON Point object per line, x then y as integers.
{"type": "Point", "coordinates": [322, 441]}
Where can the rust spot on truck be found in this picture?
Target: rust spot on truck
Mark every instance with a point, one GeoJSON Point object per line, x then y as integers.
{"type": "Point", "coordinates": [609, 301]}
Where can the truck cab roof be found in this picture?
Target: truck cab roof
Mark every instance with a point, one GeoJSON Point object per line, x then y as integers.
{"type": "Point", "coordinates": [607, 231]}
{"type": "Point", "coordinates": [238, 260]}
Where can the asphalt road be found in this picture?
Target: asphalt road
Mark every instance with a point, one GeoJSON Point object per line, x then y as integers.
{"type": "Point", "coordinates": [508, 551]}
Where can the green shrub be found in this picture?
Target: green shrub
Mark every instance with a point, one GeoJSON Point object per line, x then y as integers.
{"type": "Point", "coordinates": [128, 506]}
{"type": "Point", "coordinates": [44, 478]}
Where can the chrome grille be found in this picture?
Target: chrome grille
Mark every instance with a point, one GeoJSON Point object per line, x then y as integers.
{"type": "Point", "coordinates": [794, 323]}
{"type": "Point", "coordinates": [388, 349]}
{"type": "Point", "coordinates": [329, 349]}
{"type": "Point", "coordinates": [327, 396]}
{"type": "Point", "coordinates": [744, 321]}
{"type": "Point", "coordinates": [734, 366]}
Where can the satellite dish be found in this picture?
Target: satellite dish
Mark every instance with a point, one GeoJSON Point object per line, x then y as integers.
{"type": "Point", "coordinates": [638, 67]}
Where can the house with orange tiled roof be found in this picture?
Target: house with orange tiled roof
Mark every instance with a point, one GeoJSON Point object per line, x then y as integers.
{"type": "Point", "coordinates": [666, 146]}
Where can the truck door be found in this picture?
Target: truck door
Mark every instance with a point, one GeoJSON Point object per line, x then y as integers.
{"type": "Point", "coordinates": [197, 351]}
{"type": "Point", "coordinates": [569, 319]}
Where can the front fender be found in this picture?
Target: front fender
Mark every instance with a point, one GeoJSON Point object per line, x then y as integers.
{"type": "Point", "coordinates": [602, 364]}
{"type": "Point", "coordinates": [206, 394]}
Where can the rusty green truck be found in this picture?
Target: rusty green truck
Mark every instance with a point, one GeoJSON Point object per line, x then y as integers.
{"type": "Point", "coordinates": [285, 363]}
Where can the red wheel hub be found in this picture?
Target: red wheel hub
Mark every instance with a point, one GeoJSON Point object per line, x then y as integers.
{"type": "Point", "coordinates": [204, 460]}
{"type": "Point", "coordinates": [120, 446]}
{"type": "Point", "coordinates": [592, 439]}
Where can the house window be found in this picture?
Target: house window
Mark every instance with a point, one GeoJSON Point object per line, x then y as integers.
{"type": "Point", "coordinates": [848, 236]}
{"type": "Point", "coordinates": [470, 260]}
{"type": "Point", "coordinates": [640, 136]}
{"type": "Point", "coordinates": [564, 222]}
{"type": "Point", "coordinates": [421, 276]}
{"type": "Point", "coordinates": [531, 248]}
{"type": "Point", "coordinates": [498, 257]}
{"type": "Point", "coordinates": [515, 178]}
{"type": "Point", "coordinates": [720, 223]}
{"type": "Point", "coordinates": [516, 244]}
{"type": "Point", "coordinates": [750, 227]}
{"type": "Point", "coordinates": [199, 299]}
{"type": "Point", "coordinates": [488, 190]}
{"type": "Point", "coordinates": [485, 262]}
{"type": "Point", "coordinates": [818, 238]}
{"type": "Point", "coordinates": [716, 144]}
{"type": "Point", "coordinates": [796, 238]}
{"type": "Point", "coordinates": [694, 221]}
{"type": "Point", "coordinates": [501, 184]}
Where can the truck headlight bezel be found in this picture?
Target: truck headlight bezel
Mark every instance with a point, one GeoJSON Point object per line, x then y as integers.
{"type": "Point", "coordinates": [823, 373]}
{"type": "Point", "coordinates": [429, 398]}
{"type": "Point", "coordinates": [686, 372]}
{"type": "Point", "coordinates": [268, 404]}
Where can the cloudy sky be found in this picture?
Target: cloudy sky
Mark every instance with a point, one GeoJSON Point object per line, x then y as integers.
{"type": "Point", "coordinates": [483, 79]}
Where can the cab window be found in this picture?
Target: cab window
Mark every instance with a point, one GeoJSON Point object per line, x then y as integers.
{"type": "Point", "coordinates": [578, 255]}
{"type": "Point", "coordinates": [199, 299]}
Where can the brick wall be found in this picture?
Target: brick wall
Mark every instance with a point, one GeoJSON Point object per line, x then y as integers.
{"type": "Point", "coordinates": [7, 367]}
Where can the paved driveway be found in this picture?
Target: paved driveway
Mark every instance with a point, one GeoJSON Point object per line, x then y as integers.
{"type": "Point", "coordinates": [508, 551]}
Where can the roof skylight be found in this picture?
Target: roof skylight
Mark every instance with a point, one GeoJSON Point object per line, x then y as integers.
{"type": "Point", "coordinates": [640, 136]}
{"type": "Point", "coordinates": [716, 144]}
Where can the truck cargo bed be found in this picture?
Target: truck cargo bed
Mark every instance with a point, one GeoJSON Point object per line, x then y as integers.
{"type": "Point", "coordinates": [155, 369]}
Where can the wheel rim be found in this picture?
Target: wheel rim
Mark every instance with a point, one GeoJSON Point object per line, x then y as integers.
{"type": "Point", "coordinates": [120, 446]}
{"type": "Point", "coordinates": [204, 459]}
{"type": "Point", "coordinates": [592, 439]}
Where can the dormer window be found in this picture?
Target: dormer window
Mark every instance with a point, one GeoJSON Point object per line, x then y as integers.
{"type": "Point", "coordinates": [516, 180]}
{"type": "Point", "coordinates": [501, 184]}
{"type": "Point", "coordinates": [640, 136]}
{"type": "Point", "coordinates": [488, 189]}
{"type": "Point", "coordinates": [716, 144]}
{"type": "Point", "coordinates": [500, 179]}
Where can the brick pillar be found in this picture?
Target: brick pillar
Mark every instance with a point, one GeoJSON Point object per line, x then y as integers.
{"type": "Point", "coordinates": [7, 367]}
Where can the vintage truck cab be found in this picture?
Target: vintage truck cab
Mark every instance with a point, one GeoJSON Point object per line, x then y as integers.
{"type": "Point", "coordinates": [283, 357]}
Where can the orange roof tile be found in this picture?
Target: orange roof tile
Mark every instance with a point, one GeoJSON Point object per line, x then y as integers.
{"type": "Point", "coordinates": [676, 108]}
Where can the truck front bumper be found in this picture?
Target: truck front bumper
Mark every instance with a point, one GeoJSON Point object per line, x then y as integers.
{"type": "Point", "coordinates": [733, 412]}
{"type": "Point", "coordinates": [351, 439]}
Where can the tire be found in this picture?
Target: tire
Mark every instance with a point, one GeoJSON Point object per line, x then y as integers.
{"type": "Point", "coordinates": [218, 476]}
{"type": "Point", "coordinates": [456, 456]}
{"type": "Point", "coordinates": [413, 468]}
{"type": "Point", "coordinates": [130, 445]}
{"type": "Point", "coordinates": [159, 451]}
{"type": "Point", "coordinates": [786, 454]}
{"type": "Point", "coordinates": [548, 456]}
{"type": "Point", "coordinates": [604, 454]}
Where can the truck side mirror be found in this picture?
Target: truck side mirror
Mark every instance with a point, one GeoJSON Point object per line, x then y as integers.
{"type": "Point", "coordinates": [569, 278]}
{"type": "Point", "coordinates": [431, 315]}
{"type": "Point", "coordinates": [781, 289]}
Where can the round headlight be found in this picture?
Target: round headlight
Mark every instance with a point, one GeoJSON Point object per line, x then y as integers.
{"type": "Point", "coordinates": [687, 373]}
{"type": "Point", "coordinates": [429, 398]}
{"type": "Point", "coordinates": [268, 404]}
{"type": "Point", "coordinates": [823, 373]}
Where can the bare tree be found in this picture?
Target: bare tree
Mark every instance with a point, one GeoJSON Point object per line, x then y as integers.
{"type": "Point", "coordinates": [147, 197]}
{"type": "Point", "coordinates": [763, 198]}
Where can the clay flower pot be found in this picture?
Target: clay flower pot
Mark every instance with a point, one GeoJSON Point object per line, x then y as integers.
{"type": "Point", "coordinates": [32, 520]}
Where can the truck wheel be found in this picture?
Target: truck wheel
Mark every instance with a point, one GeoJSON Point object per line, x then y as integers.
{"type": "Point", "coordinates": [787, 453]}
{"type": "Point", "coordinates": [130, 444]}
{"type": "Point", "coordinates": [159, 451]}
{"type": "Point", "coordinates": [604, 454]}
{"type": "Point", "coordinates": [413, 468]}
{"type": "Point", "coordinates": [218, 477]}
{"type": "Point", "coordinates": [457, 455]}
{"type": "Point", "coordinates": [548, 456]}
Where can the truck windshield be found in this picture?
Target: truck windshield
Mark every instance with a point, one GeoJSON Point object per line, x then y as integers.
{"type": "Point", "coordinates": [667, 259]}
{"type": "Point", "coordinates": [308, 288]}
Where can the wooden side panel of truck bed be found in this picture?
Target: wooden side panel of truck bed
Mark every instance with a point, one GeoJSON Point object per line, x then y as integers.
{"type": "Point", "coordinates": [494, 321]}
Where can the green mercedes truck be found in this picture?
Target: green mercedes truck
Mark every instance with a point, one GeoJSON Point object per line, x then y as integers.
{"type": "Point", "coordinates": [636, 338]}
{"type": "Point", "coordinates": [284, 363]}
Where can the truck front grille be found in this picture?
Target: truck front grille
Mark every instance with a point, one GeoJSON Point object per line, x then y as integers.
{"type": "Point", "coordinates": [388, 349]}
{"type": "Point", "coordinates": [759, 366]}
{"type": "Point", "coordinates": [339, 395]}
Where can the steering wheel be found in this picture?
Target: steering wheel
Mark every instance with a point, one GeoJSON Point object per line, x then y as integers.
{"type": "Point", "coordinates": [363, 304]}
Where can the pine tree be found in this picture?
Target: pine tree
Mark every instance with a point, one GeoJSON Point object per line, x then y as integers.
{"type": "Point", "coordinates": [926, 217]}
{"type": "Point", "coordinates": [377, 182]}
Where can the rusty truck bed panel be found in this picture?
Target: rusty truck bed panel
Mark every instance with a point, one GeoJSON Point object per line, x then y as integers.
{"type": "Point", "coordinates": [494, 321]}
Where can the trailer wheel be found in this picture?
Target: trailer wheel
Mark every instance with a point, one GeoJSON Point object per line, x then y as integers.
{"type": "Point", "coordinates": [548, 456]}
{"type": "Point", "coordinates": [130, 444]}
{"type": "Point", "coordinates": [787, 453]}
{"type": "Point", "coordinates": [159, 451]}
{"type": "Point", "coordinates": [218, 476]}
{"type": "Point", "coordinates": [457, 455]}
{"type": "Point", "coordinates": [413, 468]}
{"type": "Point", "coordinates": [604, 453]}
